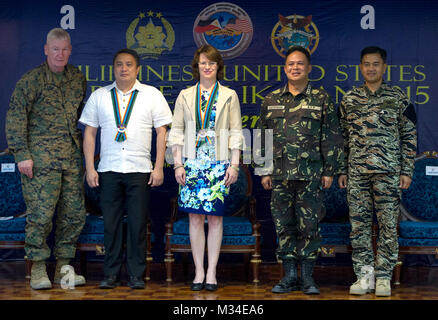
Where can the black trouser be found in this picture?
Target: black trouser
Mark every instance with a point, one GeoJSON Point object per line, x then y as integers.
{"type": "Point", "coordinates": [124, 193]}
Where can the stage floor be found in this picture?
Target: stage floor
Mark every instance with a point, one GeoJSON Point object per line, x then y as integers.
{"type": "Point", "coordinates": [418, 283]}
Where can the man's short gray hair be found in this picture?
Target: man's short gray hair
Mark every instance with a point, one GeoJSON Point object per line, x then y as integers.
{"type": "Point", "coordinates": [59, 34]}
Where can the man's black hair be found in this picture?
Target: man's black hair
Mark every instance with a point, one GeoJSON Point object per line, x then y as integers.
{"type": "Point", "coordinates": [300, 49]}
{"type": "Point", "coordinates": [128, 51]}
{"type": "Point", "coordinates": [373, 49]}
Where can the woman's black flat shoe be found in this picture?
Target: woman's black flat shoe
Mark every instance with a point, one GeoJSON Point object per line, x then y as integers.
{"type": "Point", "coordinates": [197, 286]}
{"type": "Point", "coordinates": [210, 287]}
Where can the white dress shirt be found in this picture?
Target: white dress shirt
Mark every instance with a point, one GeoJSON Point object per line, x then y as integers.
{"type": "Point", "coordinates": [133, 154]}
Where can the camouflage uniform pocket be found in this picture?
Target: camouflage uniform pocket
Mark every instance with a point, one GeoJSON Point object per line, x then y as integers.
{"type": "Point", "coordinates": [309, 163]}
{"type": "Point", "coordinates": [388, 117]}
{"type": "Point", "coordinates": [278, 158]}
{"type": "Point", "coordinates": [310, 123]}
{"type": "Point", "coordinates": [352, 117]}
{"type": "Point", "coordinates": [275, 118]}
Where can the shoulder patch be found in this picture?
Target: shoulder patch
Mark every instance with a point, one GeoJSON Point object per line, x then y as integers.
{"type": "Point", "coordinates": [410, 113]}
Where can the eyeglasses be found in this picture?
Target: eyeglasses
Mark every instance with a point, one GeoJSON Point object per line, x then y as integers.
{"type": "Point", "coordinates": [205, 64]}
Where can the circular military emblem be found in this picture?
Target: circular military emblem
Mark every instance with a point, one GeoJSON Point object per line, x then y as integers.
{"type": "Point", "coordinates": [226, 27]}
{"type": "Point", "coordinates": [294, 30]}
{"type": "Point", "coordinates": [150, 34]}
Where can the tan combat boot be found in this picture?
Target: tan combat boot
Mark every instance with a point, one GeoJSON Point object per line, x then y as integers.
{"type": "Point", "coordinates": [38, 276]}
{"type": "Point", "coordinates": [78, 279]}
{"type": "Point", "coordinates": [360, 287]}
{"type": "Point", "coordinates": [383, 287]}
{"type": "Point", "coordinates": [364, 283]}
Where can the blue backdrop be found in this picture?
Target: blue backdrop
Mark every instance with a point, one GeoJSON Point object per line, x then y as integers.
{"type": "Point", "coordinates": [252, 36]}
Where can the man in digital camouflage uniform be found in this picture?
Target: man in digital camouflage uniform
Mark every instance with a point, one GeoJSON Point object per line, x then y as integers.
{"type": "Point", "coordinates": [378, 125]}
{"type": "Point", "coordinates": [42, 134]}
{"type": "Point", "coordinates": [306, 147]}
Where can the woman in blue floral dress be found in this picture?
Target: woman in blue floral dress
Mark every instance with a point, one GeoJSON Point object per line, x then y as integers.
{"type": "Point", "coordinates": [207, 131]}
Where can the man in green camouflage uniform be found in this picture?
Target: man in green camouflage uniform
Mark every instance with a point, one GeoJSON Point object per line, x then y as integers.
{"type": "Point", "coordinates": [42, 133]}
{"type": "Point", "coordinates": [306, 146]}
{"type": "Point", "coordinates": [378, 125]}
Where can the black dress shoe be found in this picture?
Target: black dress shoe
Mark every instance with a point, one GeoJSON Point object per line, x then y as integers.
{"type": "Point", "coordinates": [211, 286]}
{"type": "Point", "coordinates": [109, 282]}
{"type": "Point", "coordinates": [197, 286]}
{"type": "Point", "coordinates": [136, 283]}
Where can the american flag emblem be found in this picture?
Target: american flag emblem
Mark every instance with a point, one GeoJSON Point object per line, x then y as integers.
{"type": "Point", "coordinates": [239, 25]}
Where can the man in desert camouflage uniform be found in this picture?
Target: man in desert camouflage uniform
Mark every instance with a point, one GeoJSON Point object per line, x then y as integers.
{"type": "Point", "coordinates": [306, 146]}
{"type": "Point", "coordinates": [378, 125]}
{"type": "Point", "coordinates": [42, 134]}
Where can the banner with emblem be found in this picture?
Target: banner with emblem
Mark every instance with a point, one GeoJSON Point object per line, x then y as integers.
{"type": "Point", "coordinates": [252, 37]}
